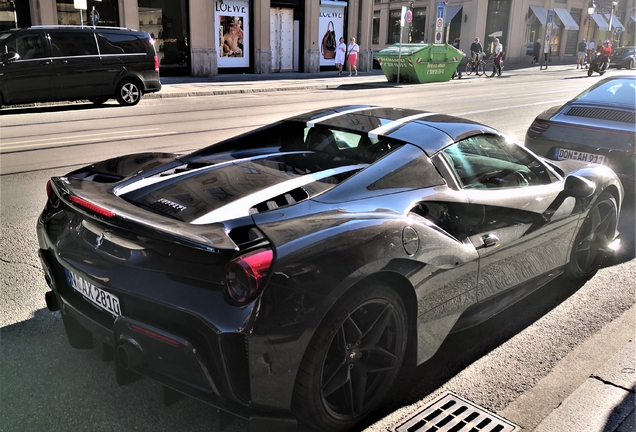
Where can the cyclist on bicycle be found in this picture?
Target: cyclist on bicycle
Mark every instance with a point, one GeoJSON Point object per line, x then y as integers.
{"type": "Point", "coordinates": [475, 51]}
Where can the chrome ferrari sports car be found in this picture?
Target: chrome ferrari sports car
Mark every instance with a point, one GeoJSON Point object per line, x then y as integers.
{"type": "Point", "coordinates": [288, 273]}
{"type": "Point", "coordinates": [598, 126]}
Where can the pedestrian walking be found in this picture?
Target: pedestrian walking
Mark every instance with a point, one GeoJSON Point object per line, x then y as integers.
{"type": "Point", "coordinates": [590, 51]}
{"type": "Point", "coordinates": [341, 50]}
{"type": "Point", "coordinates": [536, 51]}
{"type": "Point", "coordinates": [582, 52]}
{"type": "Point", "coordinates": [352, 58]}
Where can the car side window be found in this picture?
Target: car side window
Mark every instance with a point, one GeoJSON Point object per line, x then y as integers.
{"type": "Point", "coordinates": [487, 162]}
{"type": "Point", "coordinates": [73, 44]}
{"type": "Point", "coordinates": [29, 46]}
{"type": "Point", "coordinates": [117, 43]}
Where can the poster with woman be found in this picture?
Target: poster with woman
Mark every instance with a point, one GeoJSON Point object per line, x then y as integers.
{"type": "Point", "coordinates": [231, 26]}
{"type": "Point", "coordinates": [330, 29]}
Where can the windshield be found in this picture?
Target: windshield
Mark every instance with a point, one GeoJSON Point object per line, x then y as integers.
{"type": "Point", "coordinates": [621, 91]}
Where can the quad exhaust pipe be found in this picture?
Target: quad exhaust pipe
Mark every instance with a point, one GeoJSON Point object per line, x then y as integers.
{"type": "Point", "coordinates": [130, 357]}
{"type": "Point", "coordinates": [51, 301]}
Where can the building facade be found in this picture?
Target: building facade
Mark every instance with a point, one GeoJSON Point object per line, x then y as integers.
{"type": "Point", "coordinates": [517, 24]}
{"type": "Point", "coordinates": [210, 37]}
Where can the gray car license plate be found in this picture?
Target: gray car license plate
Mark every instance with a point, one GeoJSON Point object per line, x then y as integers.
{"type": "Point", "coordinates": [563, 154]}
{"type": "Point", "coordinates": [97, 296]}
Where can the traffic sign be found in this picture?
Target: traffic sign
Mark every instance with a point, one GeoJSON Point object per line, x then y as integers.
{"type": "Point", "coordinates": [409, 16]}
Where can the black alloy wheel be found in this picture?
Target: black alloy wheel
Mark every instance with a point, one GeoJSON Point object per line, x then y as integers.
{"type": "Point", "coordinates": [596, 233]}
{"type": "Point", "coordinates": [352, 359]}
{"type": "Point", "coordinates": [128, 93]}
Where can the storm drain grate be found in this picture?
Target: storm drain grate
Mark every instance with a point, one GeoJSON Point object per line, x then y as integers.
{"type": "Point", "coordinates": [451, 413]}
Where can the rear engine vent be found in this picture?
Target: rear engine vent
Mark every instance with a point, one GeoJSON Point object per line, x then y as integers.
{"type": "Point", "coordinates": [603, 114]}
{"type": "Point", "coordinates": [291, 197]}
{"type": "Point", "coordinates": [450, 413]}
{"type": "Point", "coordinates": [167, 207]}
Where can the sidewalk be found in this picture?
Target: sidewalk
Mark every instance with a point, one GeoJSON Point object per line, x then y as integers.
{"type": "Point", "coordinates": [284, 81]}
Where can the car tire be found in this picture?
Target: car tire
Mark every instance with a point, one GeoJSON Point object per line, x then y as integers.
{"type": "Point", "coordinates": [98, 100]}
{"type": "Point", "coordinates": [590, 250]}
{"type": "Point", "coordinates": [356, 351]}
{"type": "Point", "coordinates": [128, 93]}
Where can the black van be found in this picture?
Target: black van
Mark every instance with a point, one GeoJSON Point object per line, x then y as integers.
{"type": "Point", "coordinates": [54, 63]}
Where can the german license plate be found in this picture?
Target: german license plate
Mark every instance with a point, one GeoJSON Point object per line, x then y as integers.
{"type": "Point", "coordinates": [97, 296]}
{"type": "Point", "coordinates": [563, 154]}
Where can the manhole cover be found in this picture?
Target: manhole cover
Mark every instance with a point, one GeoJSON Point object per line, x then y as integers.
{"type": "Point", "coordinates": [451, 413]}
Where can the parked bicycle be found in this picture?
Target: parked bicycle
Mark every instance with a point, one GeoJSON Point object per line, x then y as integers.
{"type": "Point", "coordinates": [478, 66]}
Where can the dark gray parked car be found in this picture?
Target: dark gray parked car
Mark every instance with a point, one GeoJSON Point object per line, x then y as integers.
{"type": "Point", "coordinates": [53, 63]}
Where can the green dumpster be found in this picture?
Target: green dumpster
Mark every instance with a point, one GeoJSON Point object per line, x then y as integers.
{"type": "Point", "coordinates": [419, 63]}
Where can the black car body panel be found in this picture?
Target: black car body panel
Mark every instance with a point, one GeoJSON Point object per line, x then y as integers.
{"type": "Point", "coordinates": [56, 63]}
{"type": "Point", "coordinates": [624, 57]}
{"type": "Point", "coordinates": [599, 129]}
{"type": "Point", "coordinates": [342, 198]}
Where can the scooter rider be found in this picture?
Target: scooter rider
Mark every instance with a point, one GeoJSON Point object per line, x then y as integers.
{"type": "Point", "coordinates": [605, 51]}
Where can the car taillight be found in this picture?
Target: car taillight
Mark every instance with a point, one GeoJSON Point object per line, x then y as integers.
{"type": "Point", "coordinates": [54, 200]}
{"type": "Point", "coordinates": [539, 126]}
{"type": "Point", "coordinates": [156, 64]}
{"type": "Point", "coordinates": [90, 206]}
{"type": "Point", "coordinates": [246, 274]}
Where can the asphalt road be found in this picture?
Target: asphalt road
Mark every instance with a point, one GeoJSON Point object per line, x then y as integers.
{"type": "Point", "coordinates": [46, 385]}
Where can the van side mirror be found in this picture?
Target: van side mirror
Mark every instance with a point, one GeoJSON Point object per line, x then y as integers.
{"type": "Point", "coordinates": [578, 187]}
{"type": "Point", "coordinates": [10, 57]}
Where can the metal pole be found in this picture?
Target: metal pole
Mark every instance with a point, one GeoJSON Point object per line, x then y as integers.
{"type": "Point", "coordinates": [400, 55]}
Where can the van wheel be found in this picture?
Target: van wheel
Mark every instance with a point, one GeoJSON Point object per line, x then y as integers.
{"type": "Point", "coordinates": [128, 93]}
{"type": "Point", "coordinates": [98, 100]}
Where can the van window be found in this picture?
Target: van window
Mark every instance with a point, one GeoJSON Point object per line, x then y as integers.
{"type": "Point", "coordinates": [117, 43]}
{"type": "Point", "coordinates": [29, 46]}
{"type": "Point", "coordinates": [72, 44]}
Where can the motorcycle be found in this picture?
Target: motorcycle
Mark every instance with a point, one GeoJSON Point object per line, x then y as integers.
{"type": "Point", "coordinates": [598, 64]}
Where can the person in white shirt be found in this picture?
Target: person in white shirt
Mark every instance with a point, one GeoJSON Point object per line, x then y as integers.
{"type": "Point", "coordinates": [590, 51]}
{"type": "Point", "coordinates": [341, 49]}
{"type": "Point", "coordinates": [352, 59]}
{"type": "Point", "coordinates": [498, 56]}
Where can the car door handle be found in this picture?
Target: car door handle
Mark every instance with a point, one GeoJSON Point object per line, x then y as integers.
{"type": "Point", "coordinates": [490, 240]}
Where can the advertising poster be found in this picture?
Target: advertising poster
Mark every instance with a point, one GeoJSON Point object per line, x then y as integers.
{"type": "Point", "coordinates": [231, 25]}
{"type": "Point", "coordinates": [330, 30]}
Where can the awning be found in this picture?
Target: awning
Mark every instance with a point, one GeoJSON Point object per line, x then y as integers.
{"type": "Point", "coordinates": [600, 22]}
{"type": "Point", "coordinates": [615, 22]}
{"type": "Point", "coordinates": [566, 19]}
{"type": "Point", "coordinates": [542, 15]}
{"type": "Point", "coordinates": [451, 11]}
{"type": "Point", "coordinates": [332, 3]}
{"type": "Point", "coordinates": [7, 16]}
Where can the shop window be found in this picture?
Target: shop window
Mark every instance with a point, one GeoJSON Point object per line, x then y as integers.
{"type": "Point", "coordinates": [393, 35]}
{"type": "Point", "coordinates": [418, 32]}
{"type": "Point", "coordinates": [167, 23]}
{"type": "Point", "coordinates": [376, 28]}
{"type": "Point", "coordinates": [14, 14]}
{"type": "Point", "coordinates": [107, 9]}
{"type": "Point", "coordinates": [497, 21]}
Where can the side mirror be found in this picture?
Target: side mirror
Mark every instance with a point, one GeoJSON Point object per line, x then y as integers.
{"type": "Point", "coordinates": [10, 57]}
{"type": "Point", "coordinates": [578, 187]}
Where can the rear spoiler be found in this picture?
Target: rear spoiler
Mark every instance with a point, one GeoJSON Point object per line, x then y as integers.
{"type": "Point", "coordinates": [211, 237]}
